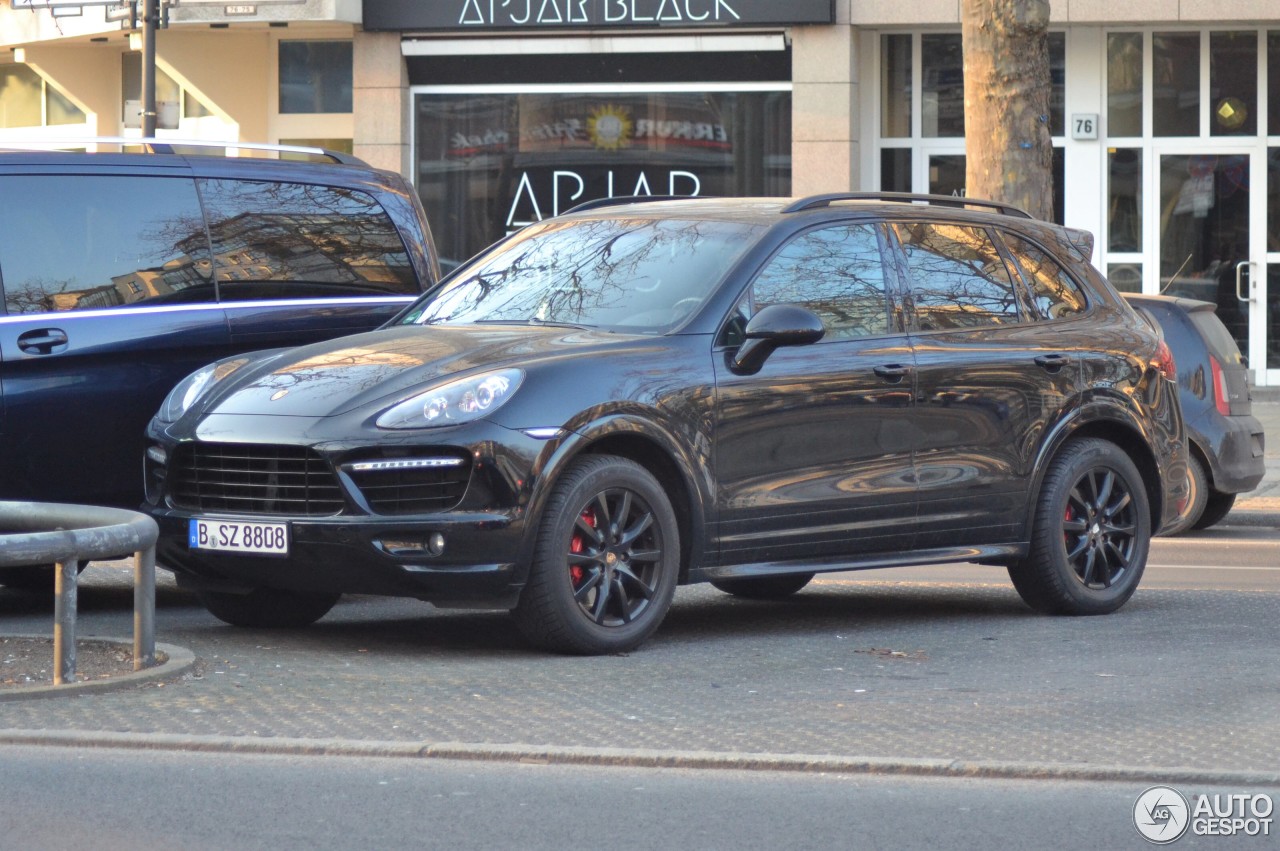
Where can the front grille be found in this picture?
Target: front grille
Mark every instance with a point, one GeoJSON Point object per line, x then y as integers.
{"type": "Point", "coordinates": [411, 485]}
{"type": "Point", "coordinates": [253, 479]}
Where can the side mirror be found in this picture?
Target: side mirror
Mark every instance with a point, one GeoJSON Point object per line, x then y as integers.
{"type": "Point", "coordinates": [777, 325]}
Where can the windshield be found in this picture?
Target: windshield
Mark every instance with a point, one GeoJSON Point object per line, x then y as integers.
{"type": "Point", "coordinates": [639, 275]}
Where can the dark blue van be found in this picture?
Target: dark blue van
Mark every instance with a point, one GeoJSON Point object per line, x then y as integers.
{"type": "Point", "coordinates": [122, 273]}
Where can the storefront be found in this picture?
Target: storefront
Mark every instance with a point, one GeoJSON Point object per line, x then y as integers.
{"type": "Point", "coordinates": [516, 117]}
{"type": "Point", "coordinates": [1166, 147]}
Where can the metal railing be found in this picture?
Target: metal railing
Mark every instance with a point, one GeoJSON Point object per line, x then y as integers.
{"type": "Point", "coordinates": [33, 533]}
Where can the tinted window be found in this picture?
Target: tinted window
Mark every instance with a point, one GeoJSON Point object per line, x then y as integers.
{"type": "Point", "coordinates": [958, 279]}
{"type": "Point", "coordinates": [1053, 292]}
{"type": "Point", "coordinates": [638, 274]}
{"type": "Point", "coordinates": [315, 76]}
{"type": "Point", "coordinates": [294, 240]}
{"type": "Point", "coordinates": [82, 242]}
{"type": "Point", "coordinates": [835, 272]}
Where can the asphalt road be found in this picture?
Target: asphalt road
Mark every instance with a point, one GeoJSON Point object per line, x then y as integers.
{"type": "Point", "coordinates": [129, 801]}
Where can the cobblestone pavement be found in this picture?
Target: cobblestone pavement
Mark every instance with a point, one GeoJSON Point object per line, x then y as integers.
{"type": "Point", "coordinates": [855, 668]}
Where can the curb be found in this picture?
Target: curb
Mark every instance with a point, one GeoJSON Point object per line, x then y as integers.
{"type": "Point", "coordinates": [180, 660]}
{"type": "Point", "coordinates": [621, 757]}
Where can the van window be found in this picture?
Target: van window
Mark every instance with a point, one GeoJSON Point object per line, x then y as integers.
{"type": "Point", "coordinates": [80, 242]}
{"type": "Point", "coordinates": [296, 240]}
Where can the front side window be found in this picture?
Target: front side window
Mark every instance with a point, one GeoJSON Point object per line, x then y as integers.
{"type": "Point", "coordinates": [958, 278]}
{"type": "Point", "coordinates": [838, 273]}
{"type": "Point", "coordinates": [296, 240]}
{"type": "Point", "coordinates": [82, 242]}
{"type": "Point", "coordinates": [641, 275]}
{"type": "Point", "coordinates": [1053, 292]}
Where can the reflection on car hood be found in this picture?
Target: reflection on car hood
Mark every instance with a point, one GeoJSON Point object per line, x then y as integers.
{"type": "Point", "coordinates": [341, 375]}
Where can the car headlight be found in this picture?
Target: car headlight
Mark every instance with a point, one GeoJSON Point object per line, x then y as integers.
{"type": "Point", "coordinates": [456, 402]}
{"type": "Point", "coordinates": [191, 388]}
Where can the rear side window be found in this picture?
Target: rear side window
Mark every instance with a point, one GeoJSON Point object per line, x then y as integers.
{"type": "Point", "coordinates": [294, 240]}
{"type": "Point", "coordinates": [836, 272]}
{"type": "Point", "coordinates": [958, 278]}
{"type": "Point", "coordinates": [1053, 292]}
{"type": "Point", "coordinates": [83, 242]}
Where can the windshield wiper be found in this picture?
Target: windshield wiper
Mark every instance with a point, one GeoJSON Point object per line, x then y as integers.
{"type": "Point", "coordinates": [533, 320]}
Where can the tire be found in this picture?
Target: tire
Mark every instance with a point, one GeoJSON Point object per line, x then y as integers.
{"type": "Point", "coordinates": [1198, 484]}
{"type": "Point", "coordinates": [39, 578]}
{"type": "Point", "coordinates": [267, 608]}
{"type": "Point", "coordinates": [764, 587]}
{"type": "Point", "coordinates": [606, 561]}
{"type": "Point", "coordinates": [1090, 535]}
{"type": "Point", "coordinates": [1216, 508]}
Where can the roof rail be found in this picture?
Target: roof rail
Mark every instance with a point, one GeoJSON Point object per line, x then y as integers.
{"type": "Point", "coordinates": [597, 203]}
{"type": "Point", "coordinates": [165, 146]}
{"type": "Point", "coordinates": [814, 202]}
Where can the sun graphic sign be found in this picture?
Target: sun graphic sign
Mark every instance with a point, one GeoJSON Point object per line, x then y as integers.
{"type": "Point", "coordinates": [609, 127]}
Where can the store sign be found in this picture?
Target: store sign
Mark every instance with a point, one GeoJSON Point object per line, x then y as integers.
{"type": "Point", "coordinates": [482, 15]}
{"type": "Point", "coordinates": [541, 193]}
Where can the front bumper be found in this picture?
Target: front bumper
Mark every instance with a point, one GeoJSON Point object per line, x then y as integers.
{"type": "Point", "coordinates": [363, 555]}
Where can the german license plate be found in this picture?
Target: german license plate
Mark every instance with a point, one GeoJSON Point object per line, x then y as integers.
{"type": "Point", "coordinates": [239, 536]}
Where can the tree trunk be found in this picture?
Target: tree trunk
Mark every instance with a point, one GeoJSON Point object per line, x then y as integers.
{"type": "Point", "coordinates": [1008, 146]}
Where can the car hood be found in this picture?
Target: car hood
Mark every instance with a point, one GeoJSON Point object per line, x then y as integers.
{"type": "Point", "coordinates": [338, 376]}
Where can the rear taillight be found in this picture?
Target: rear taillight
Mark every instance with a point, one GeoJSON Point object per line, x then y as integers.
{"type": "Point", "coordinates": [1164, 362]}
{"type": "Point", "coordinates": [1220, 400]}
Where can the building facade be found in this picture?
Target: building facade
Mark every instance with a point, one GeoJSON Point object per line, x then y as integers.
{"type": "Point", "coordinates": [1166, 113]}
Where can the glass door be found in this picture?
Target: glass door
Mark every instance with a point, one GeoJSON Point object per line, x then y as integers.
{"type": "Point", "coordinates": [1211, 242]}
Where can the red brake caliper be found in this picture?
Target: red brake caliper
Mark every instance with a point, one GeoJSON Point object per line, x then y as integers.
{"type": "Point", "coordinates": [577, 547]}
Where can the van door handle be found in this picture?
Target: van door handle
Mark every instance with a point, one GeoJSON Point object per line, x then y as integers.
{"type": "Point", "coordinates": [43, 341]}
{"type": "Point", "coordinates": [892, 372]}
{"type": "Point", "coordinates": [1053, 363]}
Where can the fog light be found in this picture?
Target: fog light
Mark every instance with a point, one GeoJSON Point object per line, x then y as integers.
{"type": "Point", "coordinates": [435, 544]}
{"type": "Point", "coordinates": [158, 455]}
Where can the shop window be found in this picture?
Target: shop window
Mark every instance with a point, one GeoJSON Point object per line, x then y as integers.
{"type": "Point", "coordinates": [1175, 95]}
{"type": "Point", "coordinates": [942, 85]}
{"type": "Point", "coordinates": [489, 164]}
{"type": "Point", "coordinates": [1124, 199]}
{"type": "Point", "coordinates": [27, 100]}
{"type": "Point", "coordinates": [315, 76]}
{"type": "Point", "coordinates": [1124, 84]}
{"type": "Point", "coordinates": [895, 170]}
{"type": "Point", "coordinates": [1273, 82]}
{"type": "Point", "coordinates": [895, 87]}
{"type": "Point", "coordinates": [1233, 83]}
{"type": "Point", "coordinates": [169, 95]}
{"type": "Point", "coordinates": [79, 242]}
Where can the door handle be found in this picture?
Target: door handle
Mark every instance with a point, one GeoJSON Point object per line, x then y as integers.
{"type": "Point", "coordinates": [43, 341]}
{"type": "Point", "coordinates": [892, 372]}
{"type": "Point", "coordinates": [1053, 363]}
{"type": "Point", "coordinates": [1240, 267]}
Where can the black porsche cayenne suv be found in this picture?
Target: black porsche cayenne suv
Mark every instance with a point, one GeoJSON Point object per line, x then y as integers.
{"type": "Point", "coordinates": [638, 395]}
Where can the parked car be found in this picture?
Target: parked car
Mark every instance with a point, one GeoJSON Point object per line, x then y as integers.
{"type": "Point", "coordinates": [1226, 440]}
{"type": "Point", "coordinates": [636, 395]}
{"type": "Point", "coordinates": [121, 273]}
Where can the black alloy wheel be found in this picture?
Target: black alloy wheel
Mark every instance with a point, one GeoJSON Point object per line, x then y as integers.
{"type": "Point", "coordinates": [606, 562]}
{"type": "Point", "coordinates": [1091, 533]}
